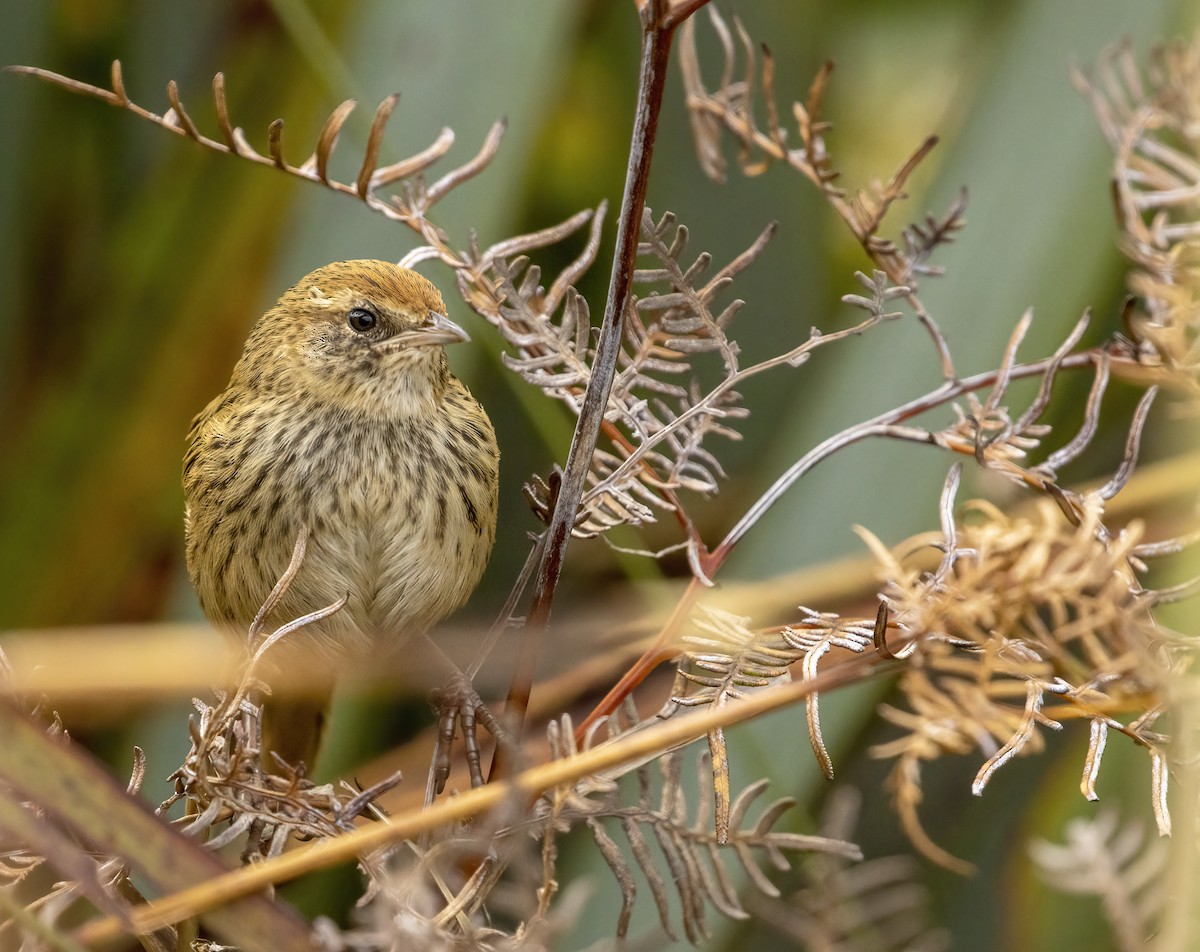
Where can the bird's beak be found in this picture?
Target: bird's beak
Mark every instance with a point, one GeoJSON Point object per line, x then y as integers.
{"type": "Point", "coordinates": [441, 330]}
{"type": "Point", "coordinates": [445, 331]}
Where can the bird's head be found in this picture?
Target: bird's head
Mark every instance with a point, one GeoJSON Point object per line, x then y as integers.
{"type": "Point", "coordinates": [365, 335]}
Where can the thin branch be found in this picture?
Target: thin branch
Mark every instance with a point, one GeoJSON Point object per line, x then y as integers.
{"type": "Point", "coordinates": [658, 32]}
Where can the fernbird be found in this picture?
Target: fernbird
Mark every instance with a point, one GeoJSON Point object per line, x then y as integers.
{"type": "Point", "coordinates": [341, 418]}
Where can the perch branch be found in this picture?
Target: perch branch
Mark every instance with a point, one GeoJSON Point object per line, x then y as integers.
{"type": "Point", "coordinates": [657, 32]}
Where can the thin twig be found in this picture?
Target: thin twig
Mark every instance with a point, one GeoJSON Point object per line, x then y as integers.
{"type": "Point", "coordinates": [658, 31]}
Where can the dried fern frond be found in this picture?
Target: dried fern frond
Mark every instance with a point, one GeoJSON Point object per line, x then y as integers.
{"type": "Point", "coordinates": [659, 416]}
{"type": "Point", "coordinates": [410, 204]}
{"type": "Point", "coordinates": [456, 891]}
{"type": "Point", "coordinates": [723, 658]}
{"type": "Point", "coordinates": [698, 868]}
{"type": "Point", "coordinates": [453, 891]}
{"type": "Point", "coordinates": [399, 191]}
{"type": "Point", "coordinates": [1114, 861]}
{"type": "Point", "coordinates": [433, 900]}
{"type": "Point", "coordinates": [1151, 119]}
{"type": "Point", "coordinates": [229, 793]}
{"type": "Point", "coordinates": [731, 107]}
{"type": "Point", "coordinates": [681, 430]}
{"type": "Point", "coordinates": [1022, 611]}
{"type": "Point", "coordinates": [921, 239]}
{"type": "Point", "coordinates": [94, 882]}
{"type": "Point", "coordinates": [877, 905]}
{"type": "Point", "coordinates": [1002, 442]}
{"type": "Point", "coordinates": [222, 779]}
{"type": "Point", "coordinates": [813, 638]}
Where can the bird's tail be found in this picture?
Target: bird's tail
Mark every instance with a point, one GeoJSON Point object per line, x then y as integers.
{"type": "Point", "coordinates": [292, 728]}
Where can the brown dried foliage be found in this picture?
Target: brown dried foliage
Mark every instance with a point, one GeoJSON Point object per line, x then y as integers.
{"type": "Point", "coordinates": [1025, 621]}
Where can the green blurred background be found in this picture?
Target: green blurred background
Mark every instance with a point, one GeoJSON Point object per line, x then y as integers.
{"type": "Point", "coordinates": [133, 263]}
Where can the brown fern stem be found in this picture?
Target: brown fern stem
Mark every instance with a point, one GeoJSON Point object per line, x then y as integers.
{"type": "Point", "coordinates": [658, 30]}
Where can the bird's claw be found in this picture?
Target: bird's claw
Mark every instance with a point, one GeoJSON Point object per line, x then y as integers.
{"type": "Point", "coordinates": [459, 705]}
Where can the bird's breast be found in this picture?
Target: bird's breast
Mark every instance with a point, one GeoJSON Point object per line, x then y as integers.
{"type": "Point", "coordinates": [400, 516]}
{"type": "Point", "coordinates": [405, 527]}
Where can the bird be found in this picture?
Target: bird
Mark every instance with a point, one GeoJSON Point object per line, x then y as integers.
{"type": "Point", "coordinates": [341, 420]}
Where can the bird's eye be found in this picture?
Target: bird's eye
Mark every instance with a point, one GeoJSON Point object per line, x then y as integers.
{"type": "Point", "coordinates": [361, 320]}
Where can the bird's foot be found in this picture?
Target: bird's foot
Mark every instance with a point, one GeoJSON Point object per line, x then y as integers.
{"type": "Point", "coordinates": [459, 706]}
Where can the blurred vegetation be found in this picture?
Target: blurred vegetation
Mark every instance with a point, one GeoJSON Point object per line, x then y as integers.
{"type": "Point", "coordinates": [133, 263]}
